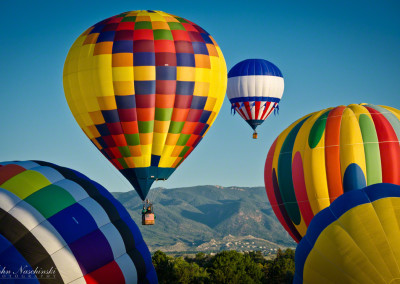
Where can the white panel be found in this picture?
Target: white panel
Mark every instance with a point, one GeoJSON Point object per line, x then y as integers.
{"type": "Point", "coordinates": [96, 211]}
{"type": "Point", "coordinates": [67, 265]}
{"type": "Point", "coordinates": [114, 239]}
{"type": "Point", "coordinates": [8, 200]}
{"type": "Point", "coordinates": [27, 215]}
{"type": "Point", "coordinates": [128, 268]}
{"type": "Point", "coordinates": [48, 236]}
{"type": "Point", "coordinates": [77, 192]}
{"type": "Point", "coordinates": [51, 174]}
{"type": "Point", "coordinates": [255, 86]}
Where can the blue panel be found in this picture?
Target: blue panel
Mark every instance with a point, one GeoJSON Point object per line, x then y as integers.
{"type": "Point", "coordinates": [347, 201]}
{"type": "Point", "coordinates": [110, 116]}
{"type": "Point", "coordinates": [185, 59]}
{"type": "Point", "coordinates": [254, 123]}
{"type": "Point", "coordinates": [198, 102]}
{"type": "Point", "coordinates": [145, 87]}
{"type": "Point", "coordinates": [254, 99]}
{"type": "Point", "coordinates": [205, 116]}
{"type": "Point", "coordinates": [206, 38]}
{"type": "Point", "coordinates": [96, 29]}
{"type": "Point", "coordinates": [254, 67]}
{"type": "Point", "coordinates": [155, 159]}
{"type": "Point", "coordinates": [353, 178]}
{"type": "Point", "coordinates": [123, 46]}
{"type": "Point", "coordinates": [51, 174]}
{"type": "Point", "coordinates": [204, 130]}
{"type": "Point", "coordinates": [382, 190]}
{"type": "Point", "coordinates": [73, 222]}
{"type": "Point", "coordinates": [101, 141]}
{"type": "Point", "coordinates": [184, 88]}
{"type": "Point", "coordinates": [103, 129]}
{"type": "Point", "coordinates": [165, 73]}
{"type": "Point", "coordinates": [106, 36]}
{"type": "Point", "coordinates": [125, 102]}
{"type": "Point", "coordinates": [199, 48]}
{"type": "Point", "coordinates": [144, 59]}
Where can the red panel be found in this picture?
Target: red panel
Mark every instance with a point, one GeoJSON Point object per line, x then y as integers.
{"type": "Point", "coordinates": [332, 153]}
{"type": "Point", "coordinates": [165, 59]}
{"type": "Point", "coordinates": [120, 140]}
{"type": "Point", "coordinates": [108, 274]}
{"type": "Point", "coordinates": [130, 127]}
{"type": "Point", "coordinates": [194, 115]}
{"type": "Point", "coordinates": [183, 47]}
{"type": "Point", "coordinates": [8, 171]}
{"type": "Point", "coordinates": [196, 37]}
{"type": "Point", "coordinates": [126, 26]}
{"type": "Point", "coordinates": [164, 46]}
{"type": "Point", "coordinates": [127, 114]}
{"type": "Point", "coordinates": [180, 35]}
{"type": "Point", "coordinates": [143, 35]}
{"type": "Point", "coordinates": [189, 27]}
{"type": "Point", "coordinates": [199, 128]}
{"type": "Point", "coordinates": [145, 101]}
{"type": "Point", "coordinates": [257, 109]}
{"type": "Point", "coordinates": [300, 189]}
{"type": "Point", "coordinates": [183, 101]}
{"type": "Point", "coordinates": [115, 152]}
{"type": "Point", "coordinates": [115, 128]}
{"type": "Point", "coordinates": [189, 127]}
{"type": "Point", "coordinates": [389, 148]}
{"type": "Point", "coordinates": [109, 141]}
{"type": "Point", "coordinates": [165, 87]}
{"type": "Point", "coordinates": [123, 35]}
{"type": "Point", "coordinates": [143, 45]}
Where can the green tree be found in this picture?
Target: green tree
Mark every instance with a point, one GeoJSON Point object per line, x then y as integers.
{"type": "Point", "coordinates": [281, 269]}
{"type": "Point", "coordinates": [234, 268]}
{"type": "Point", "coordinates": [185, 272]}
{"type": "Point", "coordinates": [163, 265]}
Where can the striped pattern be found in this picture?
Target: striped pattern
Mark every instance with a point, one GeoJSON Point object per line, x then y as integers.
{"type": "Point", "coordinates": [327, 153]}
{"type": "Point", "coordinates": [145, 86]}
{"type": "Point", "coordinates": [255, 87]}
{"type": "Point", "coordinates": [55, 217]}
{"type": "Point", "coordinates": [354, 240]}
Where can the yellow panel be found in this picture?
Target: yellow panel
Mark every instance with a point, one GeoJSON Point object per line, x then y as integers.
{"type": "Point", "coordinates": [96, 144]}
{"type": "Point", "coordinates": [351, 144]}
{"type": "Point", "coordinates": [202, 75]}
{"type": "Point", "coordinates": [103, 75]}
{"type": "Point", "coordinates": [93, 131]}
{"type": "Point", "coordinates": [396, 112]}
{"type": "Point", "coordinates": [122, 73]}
{"type": "Point", "coordinates": [158, 143]}
{"type": "Point", "coordinates": [172, 139]}
{"type": "Point", "coordinates": [210, 103]}
{"type": "Point", "coordinates": [144, 73]}
{"type": "Point", "coordinates": [201, 89]}
{"type": "Point", "coordinates": [358, 110]}
{"type": "Point", "coordinates": [130, 162]}
{"type": "Point", "coordinates": [185, 73]}
{"type": "Point", "coordinates": [26, 183]}
{"type": "Point", "coordinates": [107, 103]}
{"type": "Point", "coordinates": [97, 117]}
{"type": "Point", "coordinates": [161, 126]}
{"type": "Point", "coordinates": [314, 165]}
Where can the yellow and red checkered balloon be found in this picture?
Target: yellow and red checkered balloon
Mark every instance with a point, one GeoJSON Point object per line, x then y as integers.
{"type": "Point", "coordinates": [145, 86]}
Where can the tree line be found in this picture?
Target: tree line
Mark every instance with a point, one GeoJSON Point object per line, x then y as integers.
{"type": "Point", "coordinates": [225, 267]}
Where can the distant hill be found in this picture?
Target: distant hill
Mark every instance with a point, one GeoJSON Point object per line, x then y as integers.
{"type": "Point", "coordinates": [209, 218]}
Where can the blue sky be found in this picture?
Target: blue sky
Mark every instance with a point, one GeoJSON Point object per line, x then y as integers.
{"type": "Point", "coordinates": [330, 53]}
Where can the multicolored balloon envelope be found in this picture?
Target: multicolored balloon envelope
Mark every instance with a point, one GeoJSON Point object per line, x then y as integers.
{"type": "Point", "coordinates": [145, 87]}
{"type": "Point", "coordinates": [255, 87]}
{"type": "Point", "coordinates": [327, 153]}
{"type": "Point", "coordinates": [354, 240]}
{"type": "Point", "coordinates": [66, 228]}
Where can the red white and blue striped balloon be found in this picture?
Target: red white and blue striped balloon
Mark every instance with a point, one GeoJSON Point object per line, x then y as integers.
{"type": "Point", "coordinates": [255, 87]}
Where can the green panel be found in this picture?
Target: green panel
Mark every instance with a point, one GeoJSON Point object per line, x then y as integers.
{"type": "Point", "coordinates": [371, 150]}
{"type": "Point", "coordinates": [163, 114]}
{"type": "Point", "coordinates": [162, 34]}
{"type": "Point", "coordinates": [123, 163]}
{"type": "Point", "coordinates": [175, 26]}
{"type": "Point", "coordinates": [181, 20]}
{"type": "Point", "coordinates": [184, 151]}
{"type": "Point", "coordinates": [285, 179]}
{"type": "Point", "coordinates": [183, 138]}
{"type": "Point", "coordinates": [176, 127]}
{"type": "Point", "coordinates": [26, 183]}
{"type": "Point", "coordinates": [125, 151]}
{"type": "Point", "coordinates": [393, 120]}
{"type": "Point", "coordinates": [129, 19]}
{"type": "Point", "coordinates": [50, 200]}
{"type": "Point", "coordinates": [317, 130]}
{"type": "Point", "coordinates": [132, 139]}
{"type": "Point", "coordinates": [143, 26]}
{"type": "Point", "coordinates": [146, 126]}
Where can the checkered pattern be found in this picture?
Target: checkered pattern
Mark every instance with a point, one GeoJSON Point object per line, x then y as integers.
{"type": "Point", "coordinates": [145, 86]}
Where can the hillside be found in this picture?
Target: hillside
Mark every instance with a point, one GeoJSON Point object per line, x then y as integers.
{"type": "Point", "coordinates": [209, 218]}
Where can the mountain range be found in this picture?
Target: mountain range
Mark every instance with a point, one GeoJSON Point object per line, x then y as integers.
{"type": "Point", "coordinates": [209, 218]}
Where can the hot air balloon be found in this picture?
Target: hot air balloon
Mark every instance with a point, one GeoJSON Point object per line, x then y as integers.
{"type": "Point", "coordinates": [59, 226]}
{"type": "Point", "coordinates": [145, 87]}
{"type": "Point", "coordinates": [327, 153]}
{"type": "Point", "coordinates": [255, 87]}
{"type": "Point", "coordinates": [354, 240]}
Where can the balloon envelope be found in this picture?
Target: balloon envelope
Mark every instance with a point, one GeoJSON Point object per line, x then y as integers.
{"type": "Point", "coordinates": [145, 87]}
{"type": "Point", "coordinates": [56, 219]}
{"type": "Point", "coordinates": [354, 240]}
{"type": "Point", "coordinates": [255, 87]}
{"type": "Point", "coordinates": [327, 153]}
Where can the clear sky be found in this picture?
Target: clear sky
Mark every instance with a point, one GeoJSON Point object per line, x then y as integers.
{"type": "Point", "coordinates": [330, 53]}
